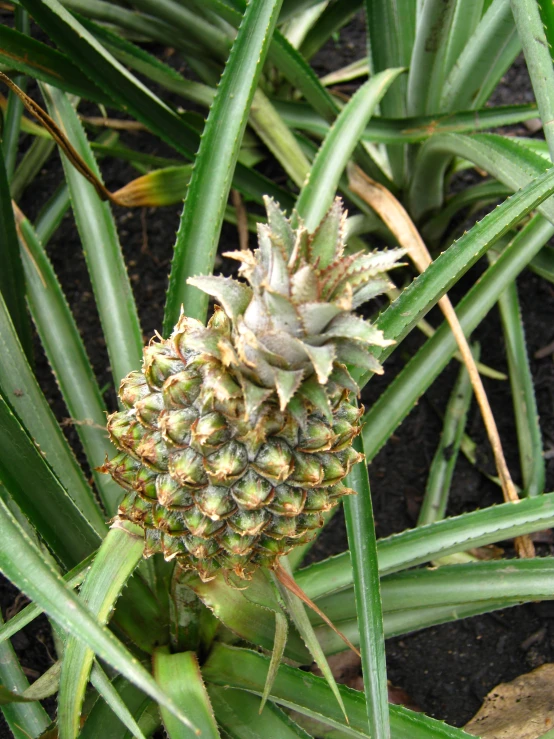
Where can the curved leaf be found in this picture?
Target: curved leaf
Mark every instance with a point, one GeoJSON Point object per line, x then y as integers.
{"type": "Point", "coordinates": [19, 384]}
{"type": "Point", "coordinates": [98, 233]}
{"type": "Point", "coordinates": [67, 356]}
{"type": "Point", "coordinates": [531, 32]}
{"type": "Point", "coordinates": [238, 712]}
{"type": "Point", "coordinates": [400, 397]}
{"type": "Point", "coordinates": [209, 187]}
{"type": "Point", "coordinates": [311, 696]}
{"type": "Point", "coordinates": [12, 282]}
{"type": "Point", "coordinates": [439, 277]}
{"type": "Point", "coordinates": [22, 563]}
{"type": "Point", "coordinates": [421, 545]}
{"type": "Point", "coordinates": [36, 490]}
{"type": "Point", "coordinates": [24, 719]}
{"type": "Point", "coordinates": [179, 675]}
{"type": "Point", "coordinates": [118, 556]}
{"type": "Point", "coordinates": [360, 527]}
{"type": "Point", "coordinates": [319, 190]}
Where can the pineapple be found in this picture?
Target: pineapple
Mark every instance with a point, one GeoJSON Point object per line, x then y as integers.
{"type": "Point", "coordinates": [236, 437]}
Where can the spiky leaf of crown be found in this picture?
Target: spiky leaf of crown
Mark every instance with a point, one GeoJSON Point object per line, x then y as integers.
{"type": "Point", "coordinates": [291, 329]}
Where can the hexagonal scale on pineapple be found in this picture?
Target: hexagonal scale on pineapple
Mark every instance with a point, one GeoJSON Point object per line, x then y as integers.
{"type": "Point", "coordinates": [236, 543]}
{"type": "Point", "coordinates": [215, 502]}
{"type": "Point", "coordinates": [252, 491]}
{"type": "Point", "coordinates": [308, 471]}
{"type": "Point", "coordinates": [316, 437]}
{"type": "Point", "coordinates": [123, 468]}
{"type": "Point", "coordinates": [209, 433]}
{"type": "Point", "coordinates": [160, 362]}
{"type": "Point", "coordinates": [281, 526]}
{"type": "Point", "coordinates": [145, 483]}
{"type": "Point", "coordinates": [171, 522]}
{"type": "Point", "coordinates": [318, 501]}
{"type": "Point", "coordinates": [148, 409]}
{"type": "Point", "coordinates": [182, 389]}
{"type": "Point", "coordinates": [172, 495]}
{"type": "Point", "coordinates": [333, 470]}
{"type": "Point", "coordinates": [200, 548]}
{"type": "Point", "coordinates": [227, 464]}
{"type": "Point", "coordinates": [274, 461]}
{"type": "Point", "coordinates": [153, 451]}
{"type": "Point", "coordinates": [175, 425]}
{"type": "Point", "coordinates": [125, 431]}
{"type": "Point", "coordinates": [199, 524]}
{"type": "Point", "coordinates": [187, 468]}
{"type": "Point", "coordinates": [287, 501]}
{"type": "Point", "coordinates": [133, 388]}
{"type": "Point", "coordinates": [248, 523]}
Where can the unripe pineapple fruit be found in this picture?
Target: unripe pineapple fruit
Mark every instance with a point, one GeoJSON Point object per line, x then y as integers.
{"type": "Point", "coordinates": [237, 436]}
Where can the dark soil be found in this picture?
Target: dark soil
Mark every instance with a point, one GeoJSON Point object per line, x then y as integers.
{"type": "Point", "coordinates": [448, 669]}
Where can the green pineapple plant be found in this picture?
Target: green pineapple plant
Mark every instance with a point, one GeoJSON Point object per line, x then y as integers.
{"type": "Point", "coordinates": [176, 603]}
{"type": "Point", "coordinates": [236, 437]}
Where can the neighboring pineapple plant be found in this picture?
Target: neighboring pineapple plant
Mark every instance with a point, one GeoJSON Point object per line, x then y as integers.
{"type": "Point", "coordinates": [236, 437]}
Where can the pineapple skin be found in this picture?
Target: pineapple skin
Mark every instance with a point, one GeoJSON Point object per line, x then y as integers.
{"type": "Point", "coordinates": [236, 436]}
{"type": "Point", "coordinates": [208, 487]}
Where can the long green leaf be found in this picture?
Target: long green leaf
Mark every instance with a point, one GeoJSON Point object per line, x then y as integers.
{"type": "Point", "coordinates": [360, 527]}
{"type": "Point", "coordinates": [318, 192]}
{"type": "Point", "coordinates": [437, 279]}
{"type": "Point", "coordinates": [465, 20]}
{"type": "Point", "coordinates": [437, 490]}
{"type": "Point", "coordinates": [421, 545]}
{"type": "Point", "coordinates": [67, 356]}
{"type": "Point", "coordinates": [14, 110]}
{"type": "Point", "coordinates": [98, 232]}
{"type": "Point", "coordinates": [42, 62]}
{"type": "Point", "coordinates": [427, 65]}
{"type": "Point", "coordinates": [101, 721]}
{"type": "Point", "coordinates": [18, 384]}
{"type": "Point", "coordinates": [507, 160]}
{"type": "Point", "coordinates": [12, 281]}
{"type": "Point", "coordinates": [110, 695]}
{"type": "Point", "coordinates": [310, 695]}
{"type": "Point", "coordinates": [118, 556]}
{"type": "Point", "coordinates": [398, 623]}
{"type": "Point", "coordinates": [21, 562]}
{"type": "Point", "coordinates": [451, 585]}
{"type": "Point", "coordinates": [197, 238]}
{"type": "Point", "coordinates": [238, 712]}
{"type": "Point", "coordinates": [532, 35]}
{"type": "Point", "coordinates": [73, 578]}
{"type": "Point", "coordinates": [36, 490]}
{"type": "Point", "coordinates": [24, 719]}
{"type": "Point", "coordinates": [485, 58]}
{"type": "Point", "coordinates": [408, 130]}
{"type": "Point", "coordinates": [470, 583]}
{"type": "Point", "coordinates": [297, 612]}
{"type": "Point", "coordinates": [390, 35]}
{"type": "Point", "coordinates": [531, 457]}
{"type": "Point", "coordinates": [400, 397]}
{"type": "Point", "coordinates": [179, 675]}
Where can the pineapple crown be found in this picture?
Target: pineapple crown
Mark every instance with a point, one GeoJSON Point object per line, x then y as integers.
{"type": "Point", "coordinates": [291, 330]}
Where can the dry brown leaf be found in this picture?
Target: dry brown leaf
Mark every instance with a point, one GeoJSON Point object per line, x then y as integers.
{"type": "Point", "coordinates": [522, 709]}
